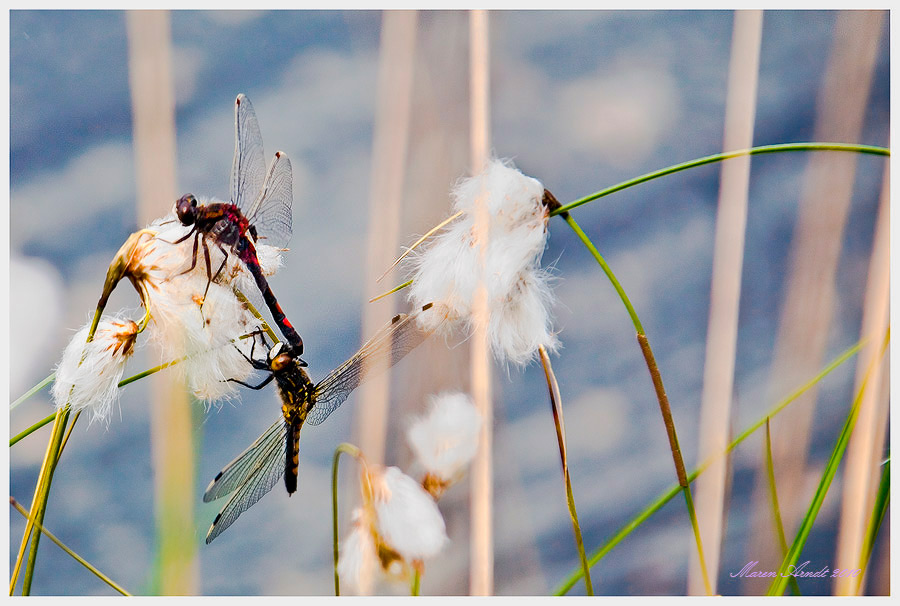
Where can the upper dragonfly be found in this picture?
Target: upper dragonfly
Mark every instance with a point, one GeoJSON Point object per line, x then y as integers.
{"type": "Point", "coordinates": [276, 452]}
{"type": "Point", "coordinates": [260, 207]}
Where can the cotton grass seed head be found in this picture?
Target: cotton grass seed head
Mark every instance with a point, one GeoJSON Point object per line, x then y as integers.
{"type": "Point", "coordinates": [358, 560]}
{"type": "Point", "coordinates": [455, 263]}
{"type": "Point", "coordinates": [88, 375]}
{"type": "Point", "coordinates": [445, 440]}
{"type": "Point", "coordinates": [407, 518]}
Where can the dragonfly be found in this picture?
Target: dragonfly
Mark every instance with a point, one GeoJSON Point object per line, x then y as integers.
{"type": "Point", "coordinates": [276, 453]}
{"type": "Point", "coordinates": [260, 208]}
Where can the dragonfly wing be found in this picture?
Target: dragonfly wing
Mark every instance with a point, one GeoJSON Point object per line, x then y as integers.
{"type": "Point", "coordinates": [271, 212]}
{"type": "Point", "coordinates": [251, 476]}
{"type": "Point", "coordinates": [248, 169]}
{"type": "Point", "coordinates": [386, 348]}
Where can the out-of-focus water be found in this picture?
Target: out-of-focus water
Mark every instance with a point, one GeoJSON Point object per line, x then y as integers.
{"type": "Point", "coordinates": [580, 100]}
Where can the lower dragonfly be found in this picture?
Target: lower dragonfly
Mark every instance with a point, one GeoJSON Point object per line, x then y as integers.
{"type": "Point", "coordinates": [275, 453]}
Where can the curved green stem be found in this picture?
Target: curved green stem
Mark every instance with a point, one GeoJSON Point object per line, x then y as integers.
{"type": "Point", "coordinates": [753, 151]}
{"type": "Point", "coordinates": [354, 452]}
{"type": "Point", "coordinates": [667, 496]}
{"type": "Point", "coordinates": [662, 398]}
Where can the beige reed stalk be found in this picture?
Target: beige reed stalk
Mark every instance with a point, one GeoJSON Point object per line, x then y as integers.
{"type": "Point", "coordinates": [809, 293]}
{"type": "Point", "coordinates": [153, 108]}
{"type": "Point", "coordinates": [481, 577]}
{"type": "Point", "coordinates": [725, 293]}
{"type": "Point", "coordinates": [865, 451]}
{"type": "Point", "coordinates": [389, 151]}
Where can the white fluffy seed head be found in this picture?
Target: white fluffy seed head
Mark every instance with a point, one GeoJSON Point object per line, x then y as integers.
{"type": "Point", "coordinates": [451, 267]}
{"type": "Point", "coordinates": [446, 439]}
{"type": "Point", "coordinates": [358, 560]}
{"type": "Point", "coordinates": [207, 335]}
{"type": "Point", "coordinates": [88, 375]}
{"type": "Point", "coordinates": [407, 518]}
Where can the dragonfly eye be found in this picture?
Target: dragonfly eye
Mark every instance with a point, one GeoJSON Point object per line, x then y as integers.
{"type": "Point", "coordinates": [185, 208]}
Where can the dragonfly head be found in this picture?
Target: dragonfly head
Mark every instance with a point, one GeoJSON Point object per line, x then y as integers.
{"type": "Point", "coordinates": [186, 209]}
{"type": "Point", "coordinates": [280, 357]}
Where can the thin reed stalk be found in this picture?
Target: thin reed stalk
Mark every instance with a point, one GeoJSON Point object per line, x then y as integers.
{"type": "Point", "coordinates": [481, 575]}
{"type": "Point", "coordinates": [390, 141]}
{"type": "Point", "coordinates": [725, 291]}
{"type": "Point", "coordinates": [171, 431]}
{"type": "Point", "coordinates": [865, 448]}
{"type": "Point", "coordinates": [556, 409]}
{"type": "Point", "coordinates": [809, 291]}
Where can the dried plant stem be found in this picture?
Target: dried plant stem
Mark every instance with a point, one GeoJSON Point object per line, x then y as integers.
{"type": "Point", "coordinates": [556, 409]}
{"type": "Point", "coordinates": [424, 237]}
{"type": "Point", "coordinates": [865, 450]}
{"type": "Point", "coordinates": [725, 289]}
{"type": "Point", "coordinates": [390, 144]}
{"type": "Point", "coordinates": [661, 501]}
{"type": "Point", "coordinates": [661, 396]}
{"type": "Point", "coordinates": [74, 555]}
{"type": "Point", "coordinates": [481, 574]}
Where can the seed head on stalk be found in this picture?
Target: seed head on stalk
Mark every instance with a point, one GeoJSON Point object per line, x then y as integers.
{"type": "Point", "coordinates": [89, 373]}
{"type": "Point", "coordinates": [397, 527]}
{"type": "Point", "coordinates": [445, 440]}
{"type": "Point", "coordinates": [452, 266]}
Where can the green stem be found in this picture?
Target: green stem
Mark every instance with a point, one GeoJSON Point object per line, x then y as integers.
{"type": "Point", "coordinates": [354, 452]}
{"type": "Point", "coordinates": [638, 327]}
{"type": "Point", "coordinates": [881, 506]}
{"type": "Point", "coordinates": [753, 151]}
{"type": "Point", "coordinates": [48, 419]}
{"type": "Point", "coordinates": [776, 508]}
{"type": "Point", "coordinates": [790, 560]}
{"type": "Point", "coordinates": [667, 496]}
{"type": "Point", "coordinates": [74, 555]}
{"type": "Point", "coordinates": [662, 398]}
{"type": "Point", "coordinates": [44, 383]}
{"type": "Point", "coordinates": [39, 508]}
{"type": "Point", "coordinates": [416, 580]}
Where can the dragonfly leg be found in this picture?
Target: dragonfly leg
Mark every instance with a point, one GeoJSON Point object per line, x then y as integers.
{"type": "Point", "coordinates": [265, 382]}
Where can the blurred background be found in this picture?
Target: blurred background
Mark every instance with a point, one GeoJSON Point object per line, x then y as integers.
{"type": "Point", "coordinates": [580, 101]}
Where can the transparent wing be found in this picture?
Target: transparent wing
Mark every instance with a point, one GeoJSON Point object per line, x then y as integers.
{"type": "Point", "coordinates": [248, 169]}
{"type": "Point", "coordinates": [251, 475]}
{"type": "Point", "coordinates": [271, 212]}
{"type": "Point", "coordinates": [385, 349]}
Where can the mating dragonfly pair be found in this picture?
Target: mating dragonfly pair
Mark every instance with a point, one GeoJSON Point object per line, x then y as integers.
{"type": "Point", "coordinates": [260, 208]}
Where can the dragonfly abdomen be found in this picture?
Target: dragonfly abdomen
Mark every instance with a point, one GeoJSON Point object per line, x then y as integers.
{"type": "Point", "coordinates": [292, 457]}
{"type": "Point", "coordinates": [248, 256]}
